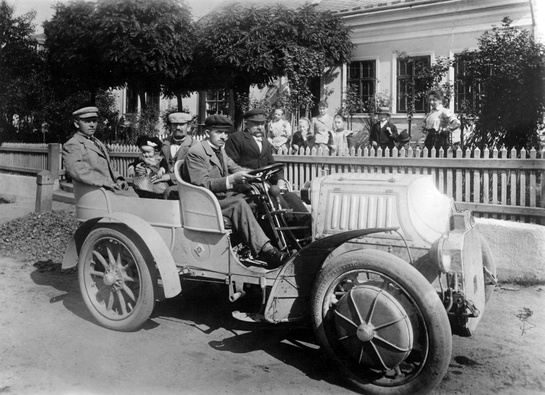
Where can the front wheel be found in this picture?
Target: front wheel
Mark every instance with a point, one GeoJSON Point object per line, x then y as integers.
{"type": "Point", "coordinates": [381, 324]}
{"type": "Point", "coordinates": [115, 280]}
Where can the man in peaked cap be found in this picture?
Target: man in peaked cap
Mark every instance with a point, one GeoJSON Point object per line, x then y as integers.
{"type": "Point", "coordinates": [207, 165]}
{"type": "Point", "coordinates": [87, 160]}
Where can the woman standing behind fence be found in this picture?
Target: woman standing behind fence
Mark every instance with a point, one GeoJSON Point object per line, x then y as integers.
{"type": "Point", "coordinates": [441, 126]}
{"type": "Point", "coordinates": [279, 131]}
{"type": "Point", "coordinates": [322, 126]}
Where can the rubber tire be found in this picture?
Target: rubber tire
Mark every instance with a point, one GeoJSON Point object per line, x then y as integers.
{"type": "Point", "coordinates": [423, 294]}
{"type": "Point", "coordinates": [145, 302]}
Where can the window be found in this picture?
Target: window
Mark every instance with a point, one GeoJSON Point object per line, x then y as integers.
{"type": "Point", "coordinates": [132, 101]}
{"type": "Point", "coordinates": [464, 93]}
{"type": "Point", "coordinates": [217, 102]}
{"type": "Point", "coordinates": [362, 78]}
{"type": "Point", "coordinates": [153, 100]}
{"type": "Point", "coordinates": [407, 68]}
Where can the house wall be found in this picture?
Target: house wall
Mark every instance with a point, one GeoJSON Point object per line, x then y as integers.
{"type": "Point", "coordinates": [435, 29]}
{"type": "Point", "coordinates": [191, 103]}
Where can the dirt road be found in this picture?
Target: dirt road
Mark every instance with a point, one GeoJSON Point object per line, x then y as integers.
{"type": "Point", "coordinates": [192, 345]}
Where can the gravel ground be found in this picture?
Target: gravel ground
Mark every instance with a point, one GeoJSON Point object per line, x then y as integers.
{"type": "Point", "coordinates": [38, 236]}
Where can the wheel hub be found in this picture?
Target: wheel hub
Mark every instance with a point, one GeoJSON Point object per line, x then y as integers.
{"type": "Point", "coordinates": [365, 333]}
{"type": "Point", "coordinates": [110, 279]}
{"type": "Point", "coordinates": [373, 327]}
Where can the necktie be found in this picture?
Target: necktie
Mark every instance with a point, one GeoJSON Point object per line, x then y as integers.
{"type": "Point", "coordinates": [99, 145]}
{"type": "Point", "coordinates": [219, 155]}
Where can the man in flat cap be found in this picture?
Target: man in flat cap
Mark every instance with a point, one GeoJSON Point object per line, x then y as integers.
{"type": "Point", "coordinates": [207, 165]}
{"type": "Point", "coordinates": [87, 160]}
{"type": "Point", "coordinates": [249, 148]}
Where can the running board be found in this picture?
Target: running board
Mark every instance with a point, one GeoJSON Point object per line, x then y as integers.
{"type": "Point", "coordinates": [248, 317]}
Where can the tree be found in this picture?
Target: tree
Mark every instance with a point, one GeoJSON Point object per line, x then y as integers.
{"type": "Point", "coordinates": [149, 44]}
{"type": "Point", "coordinates": [20, 72]}
{"type": "Point", "coordinates": [509, 69]}
{"type": "Point", "coordinates": [137, 43]}
{"type": "Point", "coordinates": [74, 58]}
{"type": "Point", "coordinates": [240, 46]}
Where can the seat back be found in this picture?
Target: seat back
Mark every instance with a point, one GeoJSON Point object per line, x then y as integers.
{"type": "Point", "coordinates": [199, 207]}
{"type": "Point", "coordinates": [91, 201]}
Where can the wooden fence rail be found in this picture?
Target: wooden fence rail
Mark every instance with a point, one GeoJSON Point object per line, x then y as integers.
{"type": "Point", "coordinates": [493, 183]}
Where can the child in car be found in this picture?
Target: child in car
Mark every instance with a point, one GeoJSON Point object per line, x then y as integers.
{"type": "Point", "coordinates": [149, 167]}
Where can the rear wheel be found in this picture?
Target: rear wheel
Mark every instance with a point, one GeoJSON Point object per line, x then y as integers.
{"type": "Point", "coordinates": [114, 280]}
{"type": "Point", "coordinates": [381, 324]}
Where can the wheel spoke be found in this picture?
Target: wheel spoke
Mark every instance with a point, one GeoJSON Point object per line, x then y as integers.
{"type": "Point", "coordinates": [110, 303]}
{"type": "Point", "coordinates": [121, 299]}
{"type": "Point", "coordinates": [111, 258]}
{"type": "Point", "coordinates": [372, 310]}
{"type": "Point", "coordinates": [346, 319]}
{"type": "Point", "coordinates": [129, 292]}
{"type": "Point", "coordinates": [378, 355]}
{"type": "Point", "coordinates": [390, 323]}
{"type": "Point", "coordinates": [356, 307]}
{"type": "Point", "coordinates": [395, 346]}
{"type": "Point", "coordinates": [101, 259]}
{"type": "Point", "coordinates": [95, 273]}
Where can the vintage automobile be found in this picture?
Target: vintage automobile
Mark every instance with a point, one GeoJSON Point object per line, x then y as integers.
{"type": "Point", "coordinates": [386, 270]}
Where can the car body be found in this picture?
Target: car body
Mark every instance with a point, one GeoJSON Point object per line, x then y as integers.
{"type": "Point", "coordinates": [386, 271]}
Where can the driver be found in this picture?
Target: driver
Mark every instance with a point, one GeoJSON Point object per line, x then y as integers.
{"type": "Point", "coordinates": [207, 165]}
{"type": "Point", "coordinates": [249, 148]}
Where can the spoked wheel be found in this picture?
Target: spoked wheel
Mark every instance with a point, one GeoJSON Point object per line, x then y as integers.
{"type": "Point", "coordinates": [381, 324]}
{"type": "Point", "coordinates": [114, 280]}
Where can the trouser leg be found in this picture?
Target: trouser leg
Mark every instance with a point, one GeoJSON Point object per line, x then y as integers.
{"type": "Point", "coordinates": [296, 204]}
{"type": "Point", "coordinates": [244, 222]}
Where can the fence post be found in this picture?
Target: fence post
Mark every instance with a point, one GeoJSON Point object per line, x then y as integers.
{"type": "Point", "coordinates": [54, 159]}
{"type": "Point", "coordinates": [44, 191]}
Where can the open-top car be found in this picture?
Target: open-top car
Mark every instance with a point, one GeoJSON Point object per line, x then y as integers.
{"type": "Point", "coordinates": [385, 268]}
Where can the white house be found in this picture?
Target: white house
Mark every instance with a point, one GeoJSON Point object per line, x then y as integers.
{"type": "Point", "coordinates": [381, 31]}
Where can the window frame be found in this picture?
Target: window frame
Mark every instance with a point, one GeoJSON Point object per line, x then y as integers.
{"type": "Point", "coordinates": [462, 89]}
{"type": "Point", "coordinates": [370, 80]}
{"type": "Point", "coordinates": [421, 104]}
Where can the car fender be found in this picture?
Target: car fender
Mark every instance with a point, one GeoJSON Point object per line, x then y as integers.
{"type": "Point", "coordinates": [153, 242]}
{"type": "Point", "coordinates": [293, 285]}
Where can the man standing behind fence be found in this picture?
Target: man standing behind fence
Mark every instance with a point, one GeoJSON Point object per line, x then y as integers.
{"type": "Point", "coordinates": [87, 160]}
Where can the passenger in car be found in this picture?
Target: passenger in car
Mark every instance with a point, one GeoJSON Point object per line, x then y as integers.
{"type": "Point", "coordinates": [86, 158]}
{"type": "Point", "coordinates": [207, 165]}
{"type": "Point", "coordinates": [154, 166]}
{"type": "Point", "coordinates": [175, 148]}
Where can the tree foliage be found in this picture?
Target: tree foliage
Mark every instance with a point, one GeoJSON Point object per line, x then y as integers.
{"type": "Point", "coordinates": [116, 42]}
{"type": "Point", "coordinates": [149, 44]}
{"type": "Point", "coordinates": [21, 71]}
{"type": "Point", "coordinates": [240, 46]}
{"type": "Point", "coordinates": [508, 69]}
{"type": "Point", "coordinates": [74, 58]}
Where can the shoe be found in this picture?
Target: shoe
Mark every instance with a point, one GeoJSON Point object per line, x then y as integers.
{"type": "Point", "coordinates": [273, 256]}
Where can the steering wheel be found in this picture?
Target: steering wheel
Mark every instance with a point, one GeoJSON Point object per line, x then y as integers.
{"type": "Point", "coordinates": [265, 172]}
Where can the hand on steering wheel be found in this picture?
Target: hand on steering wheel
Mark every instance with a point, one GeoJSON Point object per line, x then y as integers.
{"type": "Point", "coordinates": [265, 172]}
{"type": "Point", "coordinates": [241, 177]}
